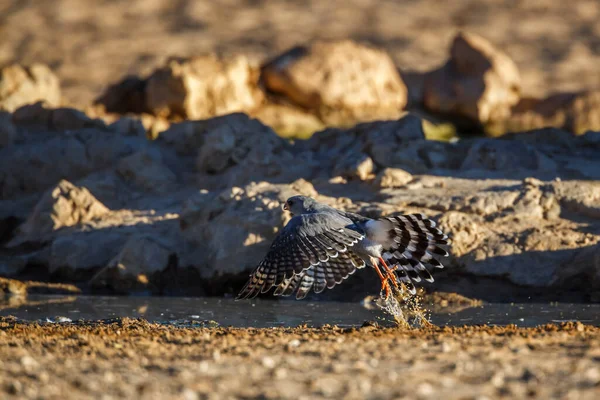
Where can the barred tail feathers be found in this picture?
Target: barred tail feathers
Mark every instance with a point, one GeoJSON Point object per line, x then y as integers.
{"type": "Point", "coordinates": [413, 240]}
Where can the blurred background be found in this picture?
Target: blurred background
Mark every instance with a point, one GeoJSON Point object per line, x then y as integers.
{"type": "Point", "coordinates": [89, 45]}
{"type": "Point", "coordinates": [145, 144]}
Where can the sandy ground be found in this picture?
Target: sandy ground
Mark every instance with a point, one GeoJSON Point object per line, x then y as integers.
{"type": "Point", "coordinates": [93, 43]}
{"type": "Point", "coordinates": [134, 359]}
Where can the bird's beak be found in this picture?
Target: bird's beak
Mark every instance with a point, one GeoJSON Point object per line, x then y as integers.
{"type": "Point", "coordinates": [285, 206]}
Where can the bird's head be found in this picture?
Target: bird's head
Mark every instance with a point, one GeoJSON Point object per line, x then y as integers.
{"type": "Point", "coordinates": [297, 205]}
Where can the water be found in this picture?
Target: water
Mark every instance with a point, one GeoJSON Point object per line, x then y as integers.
{"type": "Point", "coordinates": [268, 313]}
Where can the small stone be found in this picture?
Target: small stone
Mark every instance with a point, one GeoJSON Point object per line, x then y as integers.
{"type": "Point", "coordinates": [446, 347]}
{"type": "Point", "coordinates": [592, 376]}
{"type": "Point", "coordinates": [28, 362]}
{"type": "Point", "coordinates": [425, 390]}
{"type": "Point", "coordinates": [293, 344]}
{"type": "Point", "coordinates": [15, 387]}
{"type": "Point", "coordinates": [393, 178]}
{"type": "Point", "coordinates": [268, 362]}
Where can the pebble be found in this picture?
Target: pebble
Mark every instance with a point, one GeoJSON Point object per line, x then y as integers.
{"type": "Point", "coordinates": [268, 362]}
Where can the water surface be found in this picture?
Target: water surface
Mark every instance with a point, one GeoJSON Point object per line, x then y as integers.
{"type": "Point", "coordinates": [271, 313]}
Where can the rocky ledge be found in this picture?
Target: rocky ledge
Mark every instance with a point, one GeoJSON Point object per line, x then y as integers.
{"type": "Point", "coordinates": [194, 210]}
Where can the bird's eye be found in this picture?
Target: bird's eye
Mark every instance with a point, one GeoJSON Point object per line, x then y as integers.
{"type": "Point", "coordinates": [290, 203]}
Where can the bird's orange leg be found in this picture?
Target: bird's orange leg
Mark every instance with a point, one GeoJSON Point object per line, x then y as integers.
{"type": "Point", "coordinates": [384, 283]}
{"type": "Point", "coordinates": [390, 273]}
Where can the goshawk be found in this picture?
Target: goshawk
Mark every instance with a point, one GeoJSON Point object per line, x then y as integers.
{"type": "Point", "coordinates": [321, 246]}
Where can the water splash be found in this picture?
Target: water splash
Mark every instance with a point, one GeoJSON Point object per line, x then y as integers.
{"type": "Point", "coordinates": [406, 309]}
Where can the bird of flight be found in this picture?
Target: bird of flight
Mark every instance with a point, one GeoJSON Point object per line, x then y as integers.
{"type": "Point", "coordinates": [321, 246]}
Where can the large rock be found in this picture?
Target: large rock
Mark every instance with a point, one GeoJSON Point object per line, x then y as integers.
{"type": "Point", "coordinates": [397, 144]}
{"type": "Point", "coordinates": [146, 170]}
{"type": "Point", "coordinates": [203, 87]}
{"type": "Point", "coordinates": [230, 231]}
{"type": "Point", "coordinates": [133, 268]}
{"type": "Point", "coordinates": [42, 158]}
{"type": "Point", "coordinates": [21, 85]}
{"type": "Point", "coordinates": [41, 115]}
{"type": "Point", "coordinates": [234, 150]}
{"type": "Point", "coordinates": [125, 96]}
{"type": "Point", "coordinates": [62, 206]}
{"type": "Point", "coordinates": [479, 82]}
{"type": "Point", "coordinates": [343, 81]}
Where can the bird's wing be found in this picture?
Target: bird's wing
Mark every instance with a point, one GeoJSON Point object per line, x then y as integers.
{"type": "Point", "coordinates": [307, 241]}
{"type": "Point", "coordinates": [318, 277]}
{"type": "Point", "coordinates": [413, 240]}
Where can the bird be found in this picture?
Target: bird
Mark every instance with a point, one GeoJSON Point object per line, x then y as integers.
{"type": "Point", "coordinates": [322, 246]}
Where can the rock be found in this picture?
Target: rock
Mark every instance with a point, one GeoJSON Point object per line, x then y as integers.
{"type": "Point", "coordinates": [393, 177]}
{"type": "Point", "coordinates": [359, 166]}
{"type": "Point", "coordinates": [230, 231]}
{"type": "Point", "coordinates": [203, 87]}
{"type": "Point", "coordinates": [41, 115]}
{"type": "Point", "coordinates": [398, 144]}
{"type": "Point", "coordinates": [41, 160]}
{"type": "Point", "coordinates": [574, 112]}
{"type": "Point", "coordinates": [131, 270]}
{"type": "Point", "coordinates": [62, 206]}
{"type": "Point", "coordinates": [129, 126]}
{"type": "Point", "coordinates": [585, 267]}
{"type": "Point", "coordinates": [479, 82]}
{"type": "Point", "coordinates": [126, 96]}
{"type": "Point", "coordinates": [237, 142]}
{"type": "Point", "coordinates": [507, 156]}
{"type": "Point", "coordinates": [146, 170]}
{"type": "Point", "coordinates": [234, 150]}
{"type": "Point", "coordinates": [467, 231]}
{"type": "Point", "coordinates": [77, 254]}
{"type": "Point", "coordinates": [21, 85]}
{"type": "Point", "coordinates": [12, 287]}
{"type": "Point", "coordinates": [343, 81]}
{"type": "Point", "coordinates": [8, 132]}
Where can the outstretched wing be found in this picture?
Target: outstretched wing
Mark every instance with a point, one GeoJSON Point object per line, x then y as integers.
{"type": "Point", "coordinates": [307, 241]}
{"type": "Point", "coordinates": [318, 277]}
{"type": "Point", "coordinates": [414, 241]}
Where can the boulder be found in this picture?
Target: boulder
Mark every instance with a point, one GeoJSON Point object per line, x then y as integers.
{"type": "Point", "coordinates": [141, 257]}
{"type": "Point", "coordinates": [125, 96]}
{"type": "Point", "coordinates": [343, 81]}
{"type": "Point", "coordinates": [230, 231]}
{"type": "Point", "coordinates": [478, 83]}
{"type": "Point", "coordinates": [146, 170]}
{"type": "Point", "coordinates": [356, 166]}
{"type": "Point", "coordinates": [21, 85]}
{"type": "Point", "coordinates": [61, 206]}
{"type": "Point", "coordinates": [41, 159]}
{"type": "Point", "coordinates": [41, 115]}
{"type": "Point", "coordinates": [234, 149]}
{"type": "Point", "coordinates": [387, 143]}
{"type": "Point", "coordinates": [202, 87]}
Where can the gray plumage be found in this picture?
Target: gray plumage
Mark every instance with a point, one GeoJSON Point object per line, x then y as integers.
{"type": "Point", "coordinates": [322, 246]}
